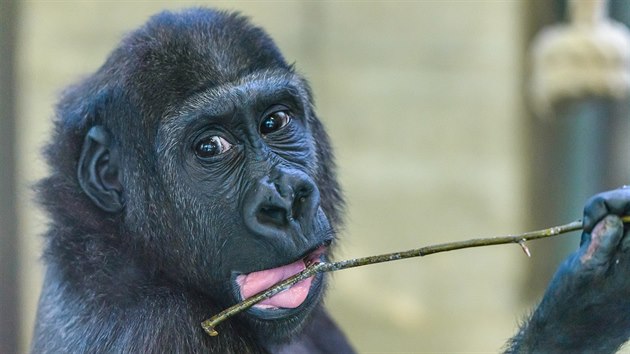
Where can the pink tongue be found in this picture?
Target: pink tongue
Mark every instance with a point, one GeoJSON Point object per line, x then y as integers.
{"type": "Point", "coordinates": [256, 282]}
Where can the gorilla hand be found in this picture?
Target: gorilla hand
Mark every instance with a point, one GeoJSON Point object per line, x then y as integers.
{"type": "Point", "coordinates": [586, 308]}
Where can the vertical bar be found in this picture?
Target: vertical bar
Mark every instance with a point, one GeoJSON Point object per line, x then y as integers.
{"type": "Point", "coordinates": [9, 316]}
{"type": "Point", "coordinates": [584, 163]}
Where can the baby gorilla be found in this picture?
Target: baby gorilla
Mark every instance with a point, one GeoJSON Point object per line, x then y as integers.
{"type": "Point", "coordinates": [190, 171]}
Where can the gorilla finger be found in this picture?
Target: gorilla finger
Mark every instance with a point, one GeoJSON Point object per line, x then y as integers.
{"type": "Point", "coordinates": [612, 202]}
{"type": "Point", "coordinates": [604, 242]}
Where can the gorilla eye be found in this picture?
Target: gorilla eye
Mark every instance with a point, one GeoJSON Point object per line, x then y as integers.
{"type": "Point", "coordinates": [274, 122]}
{"type": "Point", "coordinates": [211, 146]}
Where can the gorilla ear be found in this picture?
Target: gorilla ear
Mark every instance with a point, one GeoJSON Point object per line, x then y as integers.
{"type": "Point", "coordinates": [98, 170]}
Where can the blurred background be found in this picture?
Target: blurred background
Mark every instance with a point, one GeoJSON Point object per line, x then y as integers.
{"type": "Point", "coordinates": [429, 107]}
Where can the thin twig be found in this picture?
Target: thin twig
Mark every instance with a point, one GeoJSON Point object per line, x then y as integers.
{"type": "Point", "coordinates": [209, 324]}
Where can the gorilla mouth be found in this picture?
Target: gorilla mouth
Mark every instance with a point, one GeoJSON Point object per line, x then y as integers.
{"type": "Point", "coordinates": [255, 282]}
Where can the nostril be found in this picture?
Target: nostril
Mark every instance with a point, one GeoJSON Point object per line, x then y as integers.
{"type": "Point", "coordinates": [272, 215]}
{"type": "Point", "coordinates": [301, 202]}
{"type": "Point", "coordinates": [303, 193]}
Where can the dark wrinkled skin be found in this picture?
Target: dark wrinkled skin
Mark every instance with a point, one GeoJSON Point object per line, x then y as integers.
{"type": "Point", "coordinates": [586, 308]}
{"type": "Point", "coordinates": [150, 223]}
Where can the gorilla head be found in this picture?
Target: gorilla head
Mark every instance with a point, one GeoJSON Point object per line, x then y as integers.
{"type": "Point", "coordinates": [190, 171]}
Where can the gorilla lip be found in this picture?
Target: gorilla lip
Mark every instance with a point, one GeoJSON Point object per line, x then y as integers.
{"type": "Point", "coordinates": [255, 282]}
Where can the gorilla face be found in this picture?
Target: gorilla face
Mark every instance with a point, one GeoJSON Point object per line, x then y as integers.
{"type": "Point", "coordinates": [241, 179]}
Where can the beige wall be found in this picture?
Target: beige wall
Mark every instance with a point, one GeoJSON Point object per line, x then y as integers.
{"type": "Point", "coordinates": [422, 101]}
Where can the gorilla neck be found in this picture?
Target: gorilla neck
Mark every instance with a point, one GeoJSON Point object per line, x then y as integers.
{"type": "Point", "coordinates": [94, 296]}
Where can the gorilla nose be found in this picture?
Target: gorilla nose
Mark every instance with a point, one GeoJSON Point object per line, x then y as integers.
{"type": "Point", "coordinates": [277, 204]}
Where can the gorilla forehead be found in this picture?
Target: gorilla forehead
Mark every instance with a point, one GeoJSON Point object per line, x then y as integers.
{"type": "Point", "coordinates": [176, 55]}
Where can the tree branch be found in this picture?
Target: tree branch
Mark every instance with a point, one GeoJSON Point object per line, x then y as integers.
{"type": "Point", "coordinates": [209, 324]}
